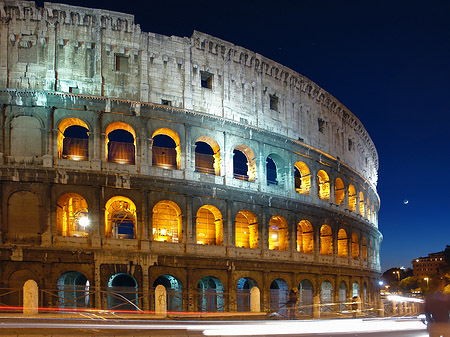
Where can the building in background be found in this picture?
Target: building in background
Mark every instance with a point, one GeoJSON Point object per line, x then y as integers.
{"type": "Point", "coordinates": [131, 160]}
{"type": "Point", "coordinates": [427, 267]}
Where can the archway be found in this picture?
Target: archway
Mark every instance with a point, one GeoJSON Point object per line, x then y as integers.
{"type": "Point", "coordinates": [120, 143]}
{"type": "Point", "coordinates": [343, 296]}
{"type": "Point", "coordinates": [244, 163]}
{"type": "Point", "coordinates": [326, 240]}
{"type": "Point", "coordinates": [351, 198]}
{"type": "Point", "coordinates": [209, 226]}
{"type": "Point", "coordinates": [355, 246]}
{"type": "Point", "coordinates": [362, 205]}
{"type": "Point", "coordinates": [339, 191]}
{"type": "Point", "coordinates": [73, 139]}
{"type": "Point", "coordinates": [279, 295]}
{"type": "Point", "coordinates": [306, 294]}
{"type": "Point", "coordinates": [120, 216]}
{"type": "Point", "coordinates": [278, 233]}
{"type": "Point", "coordinates": [210, 297]}
{"type": "Point", "coordinates": [323, 185]}
{"type": "Point", "coordinates": [122, 293]}
{"type": "Point", "coordinates": [72, 215]}
{"type": "Point", "coordinates": [305, 237]}
{"type": "Point", "coordinates": [244, 285]}
{"type": "Point", "coordinates": [355, 289]}
{"type": "Point", "coordinates": [246, 229]}
{"type": "Point", "coordinates": [73, 290]}
{"type": "Point", "coordinates": [166, 150]}
{"type": "Point", "coordinates": [302, 178]}
{"type": "Point", "coordinates": [342, 243]}
{"type": "Point", "coordinates": [326, 297]}
{"type": "Point", "coordinates": [174, 291]}
{"type": "Point", "coordinates": [167, 222]}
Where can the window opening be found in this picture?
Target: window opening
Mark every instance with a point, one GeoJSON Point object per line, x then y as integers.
{"type": "Point", "coordinates": [122, 63]}
{"type": "Point", "coordinates": [321, 123]}
{"type": "Point", "coordinates": [166, 102]}
{"type": "Point", "coordinates": [273, 102]}
{"type": "Point", "coordinates": [206, 79]}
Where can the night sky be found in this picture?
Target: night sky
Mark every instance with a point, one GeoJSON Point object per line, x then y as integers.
{"type": "Point", "coordinates": [386, 61]}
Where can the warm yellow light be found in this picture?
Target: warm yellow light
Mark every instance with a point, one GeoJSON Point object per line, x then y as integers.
{"type": "Point", "coordinates": [274, 236]}
{"type": "Point", "coordinates": [83, 221]}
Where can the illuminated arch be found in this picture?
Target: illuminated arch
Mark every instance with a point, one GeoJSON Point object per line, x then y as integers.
{"type": "Point", "coordinates": [362, 204]}
{"type": "Point", "coordinates": [323, 185]}
{"type": "Point", "coordinates": [167, 222]}
{"type": "Point", "coordinates": [326, 240]}
{"type": "Point", "coordinates": [244, 163]}
{"type": "Point", "coordinates": [122, 152]}
{"type": "Point", "coordinates": [339, 191]}
{"type": "Point", "coordinates": [278, 233]}
{"type": "Point", "coordinates": [120, 216]}
{"type": "Point", "coordinates": [305, 237]}
{"type": "Point", "coordinates": [246, 227]}
{"type": "Point", "coordinates": [72, 215]}
{"type": "Point", "coordinates": [166, 157]}
{"type": "Point", "coordinates": [364, 248]}
{"type": "Point", "coordinates": [209, 226]}
{"type": "Point", "coordinates": [207, 162]}
{"type": "Point", "coordinates": [368, 209]}
{"type": "Point", "coordinates": [70, 147]}
{"type": "Point", "coordinates": [275, 174]}
{"type": "Point", "coordinates": [342, 243]}
{"type": "Point", "coordinates": [355, 246]}
{"type": "Point", "coordinates": [351, 198]}
{"type": "Point", "coordinates": [302, 178]}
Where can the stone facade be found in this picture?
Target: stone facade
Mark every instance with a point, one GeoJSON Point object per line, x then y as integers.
{"type": "Point", "coordinates": [64, 67]}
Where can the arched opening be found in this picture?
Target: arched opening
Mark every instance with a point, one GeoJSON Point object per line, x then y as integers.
{"type": "Point", "coordinates": [167, 222]}
{"type": "Point", "coordinates": [343, 296]}
{"type": "Point", "coordinates": [364, 248]}
{"type": "Point", "coordinates": [210, 296]}
{"type": "Point", "coordinates": [355, 288]}
{"type": "Point", "coordinates": [279, 295]}
{"type": "Point", "coordinates": [352, 198]}
{"type": "Point", "coordinates": [120, 215]}
{"type": "Point", "coordinates": [166, 150]}
{"type": "Point", "coordinates": [204, 158]}
{"type": "Point", "coordinates": [244, 285]}
{"type": "Point", "coordinates": [73, 139]}
{"type": "Point", "coordinates": [72, 216]}
{"type": "Point", "coordinates": [326, 297]}
{"type": "Point", "coordinates": [368, 209]}
{"type": "Point", "coordinates": [305, 237]}
{"type": "Point", "coordinates": [355, 246]}
{"type": "Point", "coordinates": [209, 226]}
{"type": "Point", "coordinates": [364, 299]}
{"type": "Point", "coordinates": [306, 293]}
{"type": "Point", "coordinates": [73, 290]}
{"type": "Point", "coordinates": [244, 167]}
{"type": "Point", "coordinates": [174, 291]}
{"type": "Point", "coordinates": [24, 224]}
{"type": "Point", "coordinates": [122, 293]}
{"type": "Point", "coordinates": [362, 204]}
{"type": "Point", "coordinates": [271, 172]}
{"type": "Point", "coordinates": [15, 283]}
{"type": "Point", "coordinates": [342, 243]}
{"type": "Point", "coordinates": [323, 185]}
{"type": "Point", "coordinates": [120, 144]}
{"type": "Point", "coordinates": [278, 233]}
{"type": "Point", "coordinates": [326, 240]}
{"type": "Point", "coordinates": [246, 227]}
{"type": "Point", "coordinates": [302, 178]}
{"type": "Point", "coordinates": [339, 191]}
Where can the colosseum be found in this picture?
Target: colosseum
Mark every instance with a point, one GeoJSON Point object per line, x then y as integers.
{"type": "Point", "coordinates": [133, 160]}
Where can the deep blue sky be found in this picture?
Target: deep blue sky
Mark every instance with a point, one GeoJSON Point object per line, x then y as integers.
{"type": "Point", "coordinates": [387, 61]}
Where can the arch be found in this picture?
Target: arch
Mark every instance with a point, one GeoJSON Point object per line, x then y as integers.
{"type": "Point", "coordinates": [368, 209]}
{"type": "Point", "coordinates": [209, 226]}
{"type": "Point", "coordinates": [278, 233]}
{"type": "Point", "coordinates": [355, 246]}
{"type": "Point", "coordinates": [271, 171]}
{"type": "Point", "coordinates": [120, 216]}
{"type": "Point", "coordinates": [339, 191]}
{"type": "Point", "coordinates": [120, 143]}
{"type": "Point", "coordinates": [243, 287]}
{"type": "Point", "coordinates": [279, 294]}
{"type": "Point", "coordinates": [306, 294]}
{"type": "Point", "coordinates": [167, 222]}
{"type": "Point", "coordinates": [302, 177]}
{"type": "Point", "coordinates": [23, 215]}
{"type": "Point", "coordinates": [323, 185]}
{"type": "Point", "coordinates": [246, 229]}
{"type": "Point", "coordinates": [15, 282]}
{"type": "Point", "coordinates": [326, 296]}
{"type": "Point", "coordinates": [342, 243]}
{"type": "Point", "coordinates": [73, 139]}
{"type": "Point", "coordinates": [207, 156]}
{"type": "Point", "coordinates": [72, 215]}
{"type": "Point", "coordinates": [351, 198]}
{"type": "Point", "coordinates": [305, 237]}
{"type": "Point", "coordinates": [73, 290]}
{"type": "Point", "coordinates": [364, 248]}
{"type": "Point", "coordinates": [244, 163]}
{"type": "Point", "coordinates": [174, 291]}
{"type": "Point", "coordinates": [326, 240]}
{"type": "Point", "coordinates": [355, 289]}
{"type": "Point", "coordinates": [166, 154]}
{"type": "Point", "coordinates": [362, 204]}
{"type": "Point", "coordinates": [122, 293]}
{"type": "Point", "coordinates": [342, 295]}
{"type": "Point", "coordinates": [26, 137]}
{"type": "Point", "coordinates": [210, 296]}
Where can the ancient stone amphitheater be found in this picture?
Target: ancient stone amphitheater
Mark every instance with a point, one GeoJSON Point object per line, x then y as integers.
{"type": "Point", "coordinates": [131, 160]}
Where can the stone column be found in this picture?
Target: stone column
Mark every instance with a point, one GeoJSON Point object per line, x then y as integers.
{"type": "Point", "coordinates": [30, 298]}
{"type": "Point", "coordinates": [160, 300]}
{"type": "Point", "coordinates": [316, 306]}
{"type": "Point", "coordinates": [255, 300]}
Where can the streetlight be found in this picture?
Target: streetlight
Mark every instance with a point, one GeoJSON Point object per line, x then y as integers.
{"type": "Point", "coordinates": [426, 279]}
{"type": "Point", "coordinates": [398, 274]}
